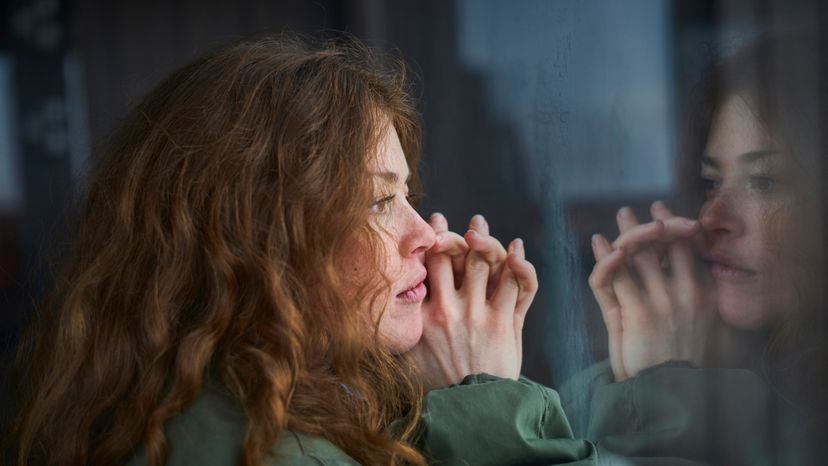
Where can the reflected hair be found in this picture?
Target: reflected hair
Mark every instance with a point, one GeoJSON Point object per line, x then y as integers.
{"type": "Point", "coordinates": [205, 251]}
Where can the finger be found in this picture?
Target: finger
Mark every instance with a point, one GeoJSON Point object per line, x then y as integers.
{"type": "Point", "coordinates": [626, 219]}
{"type": "Point", "coordinates": [458, 266]}
{"type": "Point", "coordinates": [648, 267]}
{"type": "Point", "coordinates": [642, 257]}
{"type": "Point", "coordinates": [455, 247]}
{"type": "Point", "coordinates": [505, 296]}
{"type": "Point", "coordinates": [626, 290]}
{"type": "Point", "coordinates": [488, 247]}
{"type": "Point", "coordinates": [664, 231]}
{"type": "Point", "coordinates": [682, 262]}
{"type": "Point", "coordinates": [608, 262]}
{"type": "Point", "coordinates": [450, 244]}
{"type": "Point", "coordinates": [475, 279]}
{"type": "Point", "coordinates": [440, 276]}
{"type": "Point", "coordinates": [680, 253]}
{"type": "Point", "coordinates": [636, 242]}
{"type": "Point", "coordinates": [438, 222]}
{"type": "Point", "coordinates": [660, 211]}
{"type": "Point", "coordinates": [438, 258]}
{"type": "Point", "coordinates": [526, 276]}
{"type": "Point", "coordinates": [494, 253]}
{"type": "Point", "coordinates": [479, 224]}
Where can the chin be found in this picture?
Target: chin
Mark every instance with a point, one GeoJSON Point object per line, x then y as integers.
{"type": "Point", "coordinates": [744, 312]}
{"type": "Point", "coordinates": [402, 328]}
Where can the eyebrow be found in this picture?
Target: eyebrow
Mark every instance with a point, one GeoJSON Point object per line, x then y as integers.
{"type": "Point", "coordinates": [745, 159]}
{"type": "Point", "coordinates": [391, 177]}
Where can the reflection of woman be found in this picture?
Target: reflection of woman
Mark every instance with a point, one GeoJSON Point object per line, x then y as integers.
{"type": "Point", "coordinates": [247, 285]}
{"type": "Point", "coordinates": [753, 317]}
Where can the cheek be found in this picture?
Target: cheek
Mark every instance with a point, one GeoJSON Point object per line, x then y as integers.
{"type": "Point", "coordinates": [390, 260]}
{"type": "Point", "coordinates": [789, 253]}
{"type": "Point", "coordinates": [772, 237]}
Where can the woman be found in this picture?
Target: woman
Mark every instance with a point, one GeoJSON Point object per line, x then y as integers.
{"type": "Point", "coordinates": [248, 285]}
{"type": "Point", "coordinates": [717, 325]}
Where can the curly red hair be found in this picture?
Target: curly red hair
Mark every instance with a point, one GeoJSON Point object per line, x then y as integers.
{"type": "Point", "coordinates": [206, 247]}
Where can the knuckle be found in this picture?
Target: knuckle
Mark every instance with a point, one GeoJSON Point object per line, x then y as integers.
{"type": "Point", "coordinates": [594, 280]}
{"type": "Point", "coordinates": [476, 263]}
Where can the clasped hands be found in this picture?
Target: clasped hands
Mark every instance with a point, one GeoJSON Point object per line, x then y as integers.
{"type": "Point", "coordinates": [478, 296]}
{"type": "Point", "coordinates": [657, 302]}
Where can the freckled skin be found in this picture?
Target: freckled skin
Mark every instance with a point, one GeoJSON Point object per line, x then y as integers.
{"type": "Point", "coordinates": [405, 238]}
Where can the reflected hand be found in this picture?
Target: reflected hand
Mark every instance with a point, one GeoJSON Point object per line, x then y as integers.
{"type": "Point", "coordinates": [656, 304]}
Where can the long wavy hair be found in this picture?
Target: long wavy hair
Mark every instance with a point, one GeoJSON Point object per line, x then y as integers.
{"type": "Point", "coordinates": [783, 78]}
{"type": "Point", "coordinates": [206, 249]}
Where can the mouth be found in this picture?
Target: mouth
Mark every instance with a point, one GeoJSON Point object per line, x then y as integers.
{"type": "Point", "coordinates": [724, 268]}
{"type": "Point", "coordinates": [415, 291]}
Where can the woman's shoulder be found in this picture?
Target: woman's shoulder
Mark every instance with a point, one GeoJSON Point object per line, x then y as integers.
{"type": "Point", "coordinates": [211, 431]}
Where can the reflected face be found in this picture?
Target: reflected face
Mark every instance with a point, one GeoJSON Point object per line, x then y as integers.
{"type": "Point", "coordinates": [405, 239]}
{"type": "Point", "coordinates": [750, 220]}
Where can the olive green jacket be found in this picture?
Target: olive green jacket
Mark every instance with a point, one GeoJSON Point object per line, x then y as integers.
{"type": "Point", "coordinates": [484, 420]}
{"type": "Point", "coordinates": [675, 414]}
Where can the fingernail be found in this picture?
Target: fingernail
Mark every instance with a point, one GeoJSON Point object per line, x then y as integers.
{"type": "Point", "coordinates": [471, 232]}
{"type": "Point", "coordinates": [478, 220]}
{"type": "Point", "coordinates": [595, 238]}
{"type": "Point", "coordinates": [659, 205]}
{"type": "Point", "coordinates": [519, 244]}
{"type": "Point", "coordinates": [436, 215]}
{"type": "Point", "coordinates": [624, 211]}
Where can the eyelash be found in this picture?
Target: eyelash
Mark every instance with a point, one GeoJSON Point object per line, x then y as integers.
{"type": "Point", "coordinates": [709, 185]}
{"type": "Point", "coordinates": [761, 184]}
{"type": "Point", "coordinates": [381, 205]}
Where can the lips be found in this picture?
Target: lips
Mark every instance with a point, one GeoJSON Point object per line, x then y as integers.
{"type": "Point", "coordinates": [723, 267]}
{"type": "Point", "coordinates": [416, 289]}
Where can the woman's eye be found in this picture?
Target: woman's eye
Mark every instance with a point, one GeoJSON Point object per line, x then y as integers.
{"type": "Point", "coordinates": [709, 185]}
{"type": "Point", "coordinates": [761, 183]}
{"type": "Point", "coordinates": [381, 205]}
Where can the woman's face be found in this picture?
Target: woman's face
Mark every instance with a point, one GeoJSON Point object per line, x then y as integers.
{"type": "Point", "coordinates": [751, 220]}
{"type": "Point", "coordinates": [405, 239]}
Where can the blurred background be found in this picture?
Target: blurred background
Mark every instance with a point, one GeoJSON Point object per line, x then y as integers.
{"type": "Point", "coordinates": [543, 115]}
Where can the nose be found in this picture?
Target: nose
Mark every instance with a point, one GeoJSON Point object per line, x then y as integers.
{"type": "Point", "coordinates": [417, 236]}
{"type": "Point", "coordinates": [720, 216]}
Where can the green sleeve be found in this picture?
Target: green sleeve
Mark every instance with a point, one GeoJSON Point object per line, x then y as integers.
{"type": "Point", "coordinates": [486, 420]}
{"type": "Point", "coordinates": [678, 414]}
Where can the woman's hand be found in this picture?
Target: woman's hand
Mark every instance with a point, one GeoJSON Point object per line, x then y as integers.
{"type": "Point", "coordinates": [656, 304]}
{"type": "Point", "coordinates": [467, 329]}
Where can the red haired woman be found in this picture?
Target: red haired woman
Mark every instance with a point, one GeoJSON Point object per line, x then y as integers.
{"type": "Point", "coordinates": [248, 286]}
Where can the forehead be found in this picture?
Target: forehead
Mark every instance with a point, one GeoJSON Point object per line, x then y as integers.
{"type": "Point", "coordinates": [389, 158]}
{"type": "Point", "coordinates": [738, 137]}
